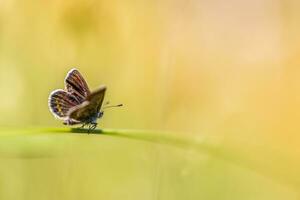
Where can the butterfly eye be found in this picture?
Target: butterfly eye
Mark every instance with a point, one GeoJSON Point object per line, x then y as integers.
{"type": "Point", "coordinates": [100, 114]}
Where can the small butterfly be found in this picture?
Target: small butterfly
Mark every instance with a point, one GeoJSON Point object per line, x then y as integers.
{"type": "Point", "coordinates": [77, 104]}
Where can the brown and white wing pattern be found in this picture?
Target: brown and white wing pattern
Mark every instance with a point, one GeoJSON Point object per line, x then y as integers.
{"type": "Point", "coordinates": [90, 107]}
{"type": "Point", "coordinates": [60, 102]}
{"type": "Point", "coordinates": [76, 85]}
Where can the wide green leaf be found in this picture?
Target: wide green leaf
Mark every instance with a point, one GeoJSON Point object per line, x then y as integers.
{"type": "Point", "coordinates": [69, 164]}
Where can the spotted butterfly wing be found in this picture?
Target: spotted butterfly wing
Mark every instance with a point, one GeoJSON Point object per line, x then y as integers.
{"type": "Point", "coordinates": [90, 108]}
{"type": "Point", "coordinates": [60, 102]}
{"type": "Point", "coordinates": [76, 85]}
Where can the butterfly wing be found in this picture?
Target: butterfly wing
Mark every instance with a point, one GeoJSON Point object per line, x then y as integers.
{"type": "Point", "coordinates": [76, 85]}
{"type": "Point", "coordinates": [60, 102]}
{"type": "Point", "coordinates": [90, 107]}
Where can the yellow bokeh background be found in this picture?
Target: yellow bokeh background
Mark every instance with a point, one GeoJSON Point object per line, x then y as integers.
{"type": "Point", "coordinates": [226, 71]}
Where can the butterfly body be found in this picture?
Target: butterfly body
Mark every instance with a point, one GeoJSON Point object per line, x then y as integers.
{"type": "Point", "coordinates": [76, 104]}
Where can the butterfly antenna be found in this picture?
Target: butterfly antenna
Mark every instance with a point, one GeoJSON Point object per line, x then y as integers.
{"type": "Point", "coordinates": [119, 105]}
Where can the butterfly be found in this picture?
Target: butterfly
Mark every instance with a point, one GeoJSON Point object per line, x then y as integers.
{"type": "Point", "coordinates": [76, 104]}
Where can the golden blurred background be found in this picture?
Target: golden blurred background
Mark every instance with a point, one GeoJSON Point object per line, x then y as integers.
{"type": "Point", "coordinates": [226, 71]}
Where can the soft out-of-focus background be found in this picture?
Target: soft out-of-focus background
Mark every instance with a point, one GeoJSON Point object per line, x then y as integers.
{"type": "Point", "coordinates": [227, 71]}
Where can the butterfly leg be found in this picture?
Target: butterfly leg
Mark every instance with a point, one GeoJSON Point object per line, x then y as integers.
{"type": "Point", "coordinates": [92, 126]}
{"type": "Point", "coordinates": [89, 129]}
